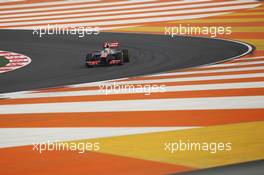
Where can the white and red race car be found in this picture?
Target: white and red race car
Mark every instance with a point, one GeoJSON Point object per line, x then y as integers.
{"type": "Point", "coordinates": [109, 55]}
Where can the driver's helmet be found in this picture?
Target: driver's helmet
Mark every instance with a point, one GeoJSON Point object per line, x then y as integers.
{"type": "Point", "coordinates": [106, 50]}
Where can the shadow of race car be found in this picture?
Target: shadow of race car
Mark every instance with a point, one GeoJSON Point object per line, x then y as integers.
{"type": "Point", "coordinates": [109, 55]}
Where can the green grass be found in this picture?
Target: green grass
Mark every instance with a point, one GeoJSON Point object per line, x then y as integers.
{"type": "Point", "coordinates": [3, 61]}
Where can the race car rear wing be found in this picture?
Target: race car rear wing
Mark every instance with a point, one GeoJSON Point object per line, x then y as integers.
{"type": "Point", "coordinates": [111, 44]}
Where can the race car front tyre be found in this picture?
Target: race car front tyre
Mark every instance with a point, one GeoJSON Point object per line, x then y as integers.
{"type": "Point", "coordinates": [125, 55]}
{"type": "Point", "coordinates": [88, 58]}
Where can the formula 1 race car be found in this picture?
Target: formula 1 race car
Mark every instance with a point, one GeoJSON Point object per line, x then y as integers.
{"type": "Point", "coordinates": [109, 55]}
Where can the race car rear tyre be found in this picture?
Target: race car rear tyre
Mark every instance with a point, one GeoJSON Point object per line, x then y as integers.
{"type": "Point", "coordinates": [125, 55]}
{"type": "Point", "coordinates": [119, 57]}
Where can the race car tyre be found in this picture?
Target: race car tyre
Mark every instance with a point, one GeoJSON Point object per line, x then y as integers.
{"type": "Point", "coordinates": [125, 55]}
{"type": "Point", "coordinates": [88, 58]}
{"type": "Point", "coordinates": [119, 57]}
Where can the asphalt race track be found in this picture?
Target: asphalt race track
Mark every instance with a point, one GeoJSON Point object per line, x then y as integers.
{"type": "Point", "coordinates": [252, 168]}
{"type": "Point", "coordinates": [60, 59]}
